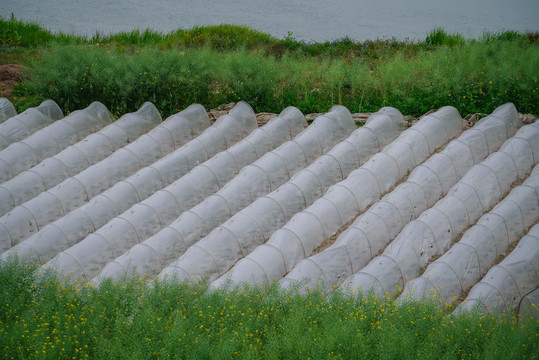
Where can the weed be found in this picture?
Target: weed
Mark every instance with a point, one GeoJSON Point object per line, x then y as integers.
{"type": "Point", "coordinates": [43, 316]}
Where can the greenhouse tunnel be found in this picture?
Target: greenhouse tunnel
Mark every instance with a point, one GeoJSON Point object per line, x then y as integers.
{"type": "Point", "coordinates": [432, 233]}
{"type": "Point", "coordinates": [263, 215]}
{"type": "Point", "coordinates": [77, 157]}
{"type": "Point", "coordinates": [190, 190]}
{"type": "Point", "coordinates": [261, 266]}
{"type": "Point", "coordinates": [457, 270]}
{"type": "Point", "coordinates": [24, 124]}
{"type": "Point", "coordinates": [7, 110]}
{"type": "Point", "coordinates": [195, 141]}
{"type": "Point", "coordinates": [384, 220]}
{"type": "Point", "coordinates": [52, 139]}
{"type": "Point", "coordinates": [24, 220]}
{"type": "Point", "coordinates": [271, 169]}
{"type": "Point", "coordinates": [435, 209]}
{"type": "Point", "coordinates": [154, 211]}
{"type": "Point", "coordinates": [512, 282]}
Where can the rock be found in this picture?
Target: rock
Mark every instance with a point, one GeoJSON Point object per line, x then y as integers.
{"type": "Point", "coordinates": [527, 118]}
{"type": "Point", "coordinates": [221, 110]}
{"type": "Point", "coordinates": [264, 117]}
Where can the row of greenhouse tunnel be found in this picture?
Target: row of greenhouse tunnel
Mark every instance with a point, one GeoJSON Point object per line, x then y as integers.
{"type": "Point", "coordinates": [430, 210]}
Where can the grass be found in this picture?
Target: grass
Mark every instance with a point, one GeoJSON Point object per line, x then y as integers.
{"type": "Point", "coordinates": [42, 317]}
{"type": "Point", "coordinates": [221, 64]}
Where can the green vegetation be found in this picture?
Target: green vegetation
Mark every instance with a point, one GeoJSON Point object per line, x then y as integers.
{"type": "Point", "coordinates": [220, 64]}
{"type": "Point", "coordinates": [43, 318]}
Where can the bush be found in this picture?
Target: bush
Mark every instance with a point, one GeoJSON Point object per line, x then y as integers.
{"type": "Point", "coordinates": [438, 37]}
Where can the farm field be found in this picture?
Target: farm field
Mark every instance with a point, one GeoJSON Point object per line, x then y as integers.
{"type": "Point", "coordinates": [130, 212]}
{"type": "Point", "coordinates": [254, 304]}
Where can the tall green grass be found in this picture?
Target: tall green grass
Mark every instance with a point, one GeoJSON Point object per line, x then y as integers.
{"type": "Point", "coordinates": [220, 64]}
{"type": "Point", "coordinates": [17, 33]}
{"type": "Point", "coordinates": [43, 317]}
{"type": "Point", "coordinates": [73, 76]}
{"type": "Point", "coordinates": [473, 77]}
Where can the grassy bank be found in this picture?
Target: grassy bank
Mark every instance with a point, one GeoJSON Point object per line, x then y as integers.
{"type": "Point", "coordinates": [220, 64]}
{"type": "Point", "coordinates": [43, 318]}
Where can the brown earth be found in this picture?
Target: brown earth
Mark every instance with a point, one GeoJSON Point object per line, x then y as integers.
{"type": "Point", "coordinates": [10, 75]}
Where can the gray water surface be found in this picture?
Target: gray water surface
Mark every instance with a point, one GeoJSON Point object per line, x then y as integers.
{"type": "Point", "coordinates": [309, 20]}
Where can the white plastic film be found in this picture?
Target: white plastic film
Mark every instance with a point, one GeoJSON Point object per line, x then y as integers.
{"type": "Point", "coordinates": [64, 233]}
{"type": "Point", "coordinates": [511, 283]}
{"type": "Point", "coordinates": [383, 221]}
{"type": "Point", "coordinates": [7, 110]}
{"type": "Point", "coordinates": [226, 131]}
{"type": "Point", "coordinates": [257, 180]}
{"type": "Point", "coordinates": [29, 218]}
{"type": "Point", "coordinates": [436, 228]}
{"type": "Point", "coordinates": [253, 225]}
{"type": "Point", "coordinates": [269, 212]}
{"type": "Point", "coordinates": [75, 158]}
{"type": "Point", "coordinates": [273, 167]}
{"type": "Point", "coordinates": [148, 215]}
{"type": "Point", "coordinates": [24, 124]}
{"type": "Point", "coordinates": [451, 275]}
{"type": "Point", "coordinates": [151, 215]}
{"type": "Point", "coordinates": [309, 228]}
{"type": "Point", "coordinates": [52, 139]}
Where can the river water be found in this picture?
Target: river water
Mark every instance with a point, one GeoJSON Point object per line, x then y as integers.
{"type": "Point", "coordinates": [309, 20]}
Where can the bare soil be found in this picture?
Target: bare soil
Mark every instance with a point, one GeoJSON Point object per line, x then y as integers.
{"type": "Point", "coordinates": [10, 75]}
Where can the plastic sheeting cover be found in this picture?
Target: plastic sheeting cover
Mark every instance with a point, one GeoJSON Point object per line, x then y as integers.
{"type": "Point", "coordinates": [254, 225]}
{"type": "Point", "coordinates": [75, 191]}
{"type": "Point", "coordinates": [52, 139]}
{"type": "Point", "coordinates": [226, 131]}
{"type": "Point", "coordinates": [511, 283]}
{"type": "Point", "coordinates": [161, 208]}
{"type": "Point", "coordinates": [266, 213]}
{"type": "Point", "coordinates": [259, 178]}
{"type": "Point", "coordinates": [7, 110]}
{"type": "Point", "coordinates": [141, 222]}
{"type": "Point", "coordinates": [77, 157]}
{"type": "Point", "coordinates": [343, 201]}
{"type": "Point", "coordinates": [73, 227]}
{"type": "Point", "coordinates": [425, 185]}
{"type": "Point", "coordinates": [24, 124]}
{"type": "Point", "coordinates": [451, 275]}
{"type": "Point", "coordinates": [432, 233]}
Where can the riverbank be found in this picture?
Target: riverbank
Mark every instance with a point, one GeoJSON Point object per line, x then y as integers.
{"type": "Point", "coordinates": [221, 64]}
